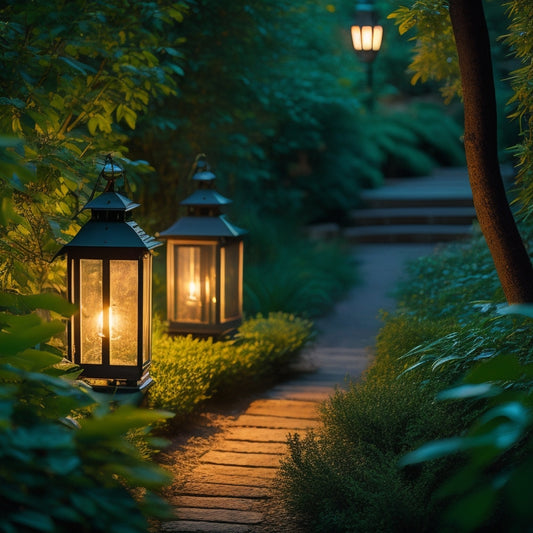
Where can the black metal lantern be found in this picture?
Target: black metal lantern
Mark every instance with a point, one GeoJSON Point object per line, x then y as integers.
{"type": "Point", "coordinates": [367, 34]}
{"type": "Point", "coordinates": [110, 280]}
{"type": "Point", "coordinates": [204, 263]}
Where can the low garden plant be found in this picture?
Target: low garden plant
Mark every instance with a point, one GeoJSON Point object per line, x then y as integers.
{"type": "Point", "coordinates": [67, 461]}
{"type": "Point", "coordinates": [437, 434]}
{"type": "Point", "coordinates": [188, 371]}
{"type": "Point", "coordinates": [287, 271]}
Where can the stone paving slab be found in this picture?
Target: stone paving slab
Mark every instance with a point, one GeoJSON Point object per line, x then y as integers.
{"type": "Point", "coordinates": [258, 435]}
{"type": "Point", "coordinates": [274, 422]}
{"type": "Point", "coordinates": [285, 408]}
{"type": "Point", "coordinates": [244, 472]}
{"type": "Point", "coordinates": [211, 488]}
{"type": "Point", "coordinates": [250, 447]}
{"type": "Point", "coordinates": [210, 476]}
{"type": "Point", "coordinates": [214, 502]}
{"type": "Point", "coordinates": [203, 527]}
{"type": "Point", "coordinates": [241, 459]}
{"type": "Point", "coordinates": [227, 516]}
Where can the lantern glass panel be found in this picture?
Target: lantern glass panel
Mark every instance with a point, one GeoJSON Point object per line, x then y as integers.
{"type": "Point", "coordinates": [377, 37]}
{"type": "Point", "coordinates": [366, 37]}
{"type": "Point", "coordinates": [91, 311]}
{"type": "Point", "coordinates": [147, 307]}
{"type": "Point", "coordinates": [231, 275]}
{"type": "Point", "coordinates": [195, 299]}
{"type": "Point", "coordinates": [123, 312]}
{"type": "Point", "coordinates": [356, 37]}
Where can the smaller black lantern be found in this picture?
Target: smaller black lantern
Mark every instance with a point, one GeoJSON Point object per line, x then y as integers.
{"type": "Point", "coordinates": [110, 280]}
{"type": "Point", "coordinates": [204, 263]}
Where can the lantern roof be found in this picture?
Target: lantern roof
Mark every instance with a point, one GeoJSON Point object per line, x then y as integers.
{"type": "Point", "coordinates": [105, 234]}
{"type": "Point", "coordinates": [206, 198]}
{"type": "Point", "coordinates": [203, 172]}
{"type": "Point", "coordinates": [198, 226]}
{"type": "Point", "coordinates": [111, 201]}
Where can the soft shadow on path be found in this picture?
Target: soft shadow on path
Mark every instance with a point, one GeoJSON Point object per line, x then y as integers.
{"type": "Point", "coordinates": [347, 335]}
{"type": "Point", "coordinates": [355, 322]}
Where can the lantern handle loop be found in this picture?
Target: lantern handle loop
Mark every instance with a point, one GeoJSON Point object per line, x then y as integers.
{"type": "Point", "coordinates": [109, 170]}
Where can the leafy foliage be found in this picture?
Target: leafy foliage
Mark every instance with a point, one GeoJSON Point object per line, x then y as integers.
{"type": "Point", "coordinates": [520, 41]}
{"type": "Point", "coordinates": [75, 78]}
{"type": "Point", "coordinates": [434, 54]}
{"type": "Point", "coordinates": [187, 371]}
{"type": "Point", "coordinates": [435, 58]}
{"type": "Point", "coordinates": [285, 271]}
{"type": "Point", "coordinates": [456, 363]}
{"type": "Point", "coordinates": [65, 461]}
{"type": "Point", "coordinates": [496, 367]}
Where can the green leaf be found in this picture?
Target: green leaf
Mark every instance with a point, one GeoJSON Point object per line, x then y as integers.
{"type": "Point", "coordinates": [473, 509]}
{"type": "Point", "coordinates": [32, 360]}
{"type": "Point", "coordinates": [433, 450]}
{"type": "Point", "coordinates": [34, 519]}
{"type": "Point", "coordinates": [517, 309]}
{"type": "Point", "coordinates": [81, 67]}
{"type": "Point", "coordinates": [479, 390]}
{"type": "Point", "coordinates": [30, 302]}
{"type": "Point", "coordinates": [24, 332]}
{"type": "Point", "coordinates": [500, 368]}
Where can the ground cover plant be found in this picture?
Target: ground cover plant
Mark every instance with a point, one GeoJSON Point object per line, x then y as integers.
{"type": "Point", "coordinates": [290, 272]}
{"type": "Point", "coordinates": [437, 434]}
{"type": "Point", "coordinates": [66, 460]}
{"type": "Point", "coordinates": [188, 371]}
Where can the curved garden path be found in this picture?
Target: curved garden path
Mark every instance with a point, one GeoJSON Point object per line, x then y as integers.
{"type": "Point", "coordinates": [226, 466]}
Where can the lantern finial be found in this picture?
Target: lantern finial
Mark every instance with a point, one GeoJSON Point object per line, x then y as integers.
{"type": "Point", "coordinates": [111, 172]}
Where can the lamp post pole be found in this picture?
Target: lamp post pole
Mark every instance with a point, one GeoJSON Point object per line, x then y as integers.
{"type": "Point", "coordinates": [367, 36]}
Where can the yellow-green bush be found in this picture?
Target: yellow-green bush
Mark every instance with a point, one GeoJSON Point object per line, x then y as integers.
{"type": "Point", "coordinates": [187, 371]}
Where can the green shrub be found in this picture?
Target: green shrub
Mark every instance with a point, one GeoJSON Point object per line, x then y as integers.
{"type": "Point", "coordinates": [491, 491]}
{"type": "Point", "coordinates": [285, 271]}
{"type": "Point", "coordinates": [345, 477]}
{"type": "Point", "coordinates": [449, 282]}
{"type": "Point", "coordinates": [66, 463]}
{"type": "Point", "coordinates": [188, 371]}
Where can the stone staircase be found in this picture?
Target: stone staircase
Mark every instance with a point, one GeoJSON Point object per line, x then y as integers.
{"type": "Point", "coordinates": [432, 209]}
{"type": "Point", "coordinates": [437, 208]}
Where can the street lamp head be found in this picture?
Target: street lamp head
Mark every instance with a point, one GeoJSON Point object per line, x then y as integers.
{"type": "Point", "coordinates": [367, 34]}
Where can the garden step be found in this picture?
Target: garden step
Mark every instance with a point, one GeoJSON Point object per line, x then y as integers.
{"type": "Point", "coordinates": [376, 199]}
{"type": "Point", "coordinates": [408, 215]}
{"type": "Point", "coordinates": [438, 208]}
{"type": "Point", "coordinates": [407, 233]}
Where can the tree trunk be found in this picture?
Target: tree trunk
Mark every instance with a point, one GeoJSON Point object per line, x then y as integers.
{"type": "Point", "coordinates": [480, 137]}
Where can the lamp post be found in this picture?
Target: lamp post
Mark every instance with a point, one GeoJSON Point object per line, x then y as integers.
{"type": "Point", "coordinates": [110, 280]}
{"type": "Point", "coordinates": [204, 263]}
{"type": "Point", "coordinates": [367, 36]}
